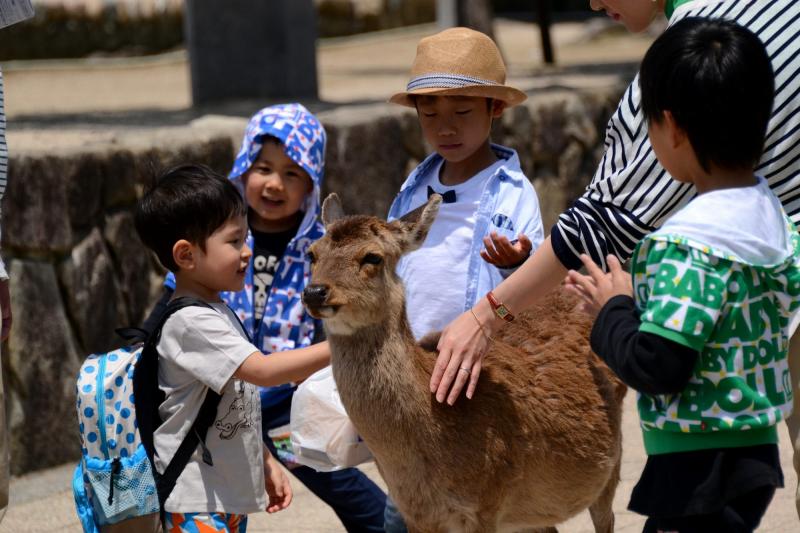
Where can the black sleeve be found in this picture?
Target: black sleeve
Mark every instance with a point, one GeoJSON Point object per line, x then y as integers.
{"type": "Point", "coordinates": [158, 310]}
{"type": "Point", "coordinates": [646, 362]}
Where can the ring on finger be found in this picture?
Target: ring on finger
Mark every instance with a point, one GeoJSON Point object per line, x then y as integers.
{"type": "Point", "coordinates": [467, 370]}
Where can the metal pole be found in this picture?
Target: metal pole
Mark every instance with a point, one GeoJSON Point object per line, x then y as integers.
{"type": "Point", "coordinates": [446, 13]}
{"type": "Point", "coordinates": [544, 19]}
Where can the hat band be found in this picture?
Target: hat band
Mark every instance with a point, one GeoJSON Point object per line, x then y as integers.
{"type": "Point", "coordinates": [445, 81]}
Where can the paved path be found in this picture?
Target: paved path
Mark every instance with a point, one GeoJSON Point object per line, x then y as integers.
{"type": "Point", "coordinates": [370, 67]}
{"type": "Point", "coordinates": [42, 502]}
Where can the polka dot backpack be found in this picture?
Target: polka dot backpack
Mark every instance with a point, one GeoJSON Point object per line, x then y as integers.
{"type": "Point", "coordinates": [117, 401]}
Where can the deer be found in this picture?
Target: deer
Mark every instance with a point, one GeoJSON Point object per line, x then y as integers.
{"type": "Point", "coordinates": [539, 442]}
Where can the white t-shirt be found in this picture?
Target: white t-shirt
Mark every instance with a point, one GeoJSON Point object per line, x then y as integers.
{"type": "Point", "coordinates": [201, 348]}
{"type": "Point", "coordinates": [434, 296]}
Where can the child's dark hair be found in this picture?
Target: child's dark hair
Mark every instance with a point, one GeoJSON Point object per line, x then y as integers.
{"type": "Point", "coordinates": [716, 79]}
{"type": "Point", "coordinates": [187, 202]}
{"type": "Point", "coordinates": [266, 138]}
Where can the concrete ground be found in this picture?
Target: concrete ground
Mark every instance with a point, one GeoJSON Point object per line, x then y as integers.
{"type": "Point", "coordinates": [72, 102]}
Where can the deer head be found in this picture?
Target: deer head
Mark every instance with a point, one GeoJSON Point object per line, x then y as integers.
{"type": "Point", "coordinates": [353, 281]}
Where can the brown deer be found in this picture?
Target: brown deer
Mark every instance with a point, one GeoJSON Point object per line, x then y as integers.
{"type": "Point", "coordinates": [539, 442]}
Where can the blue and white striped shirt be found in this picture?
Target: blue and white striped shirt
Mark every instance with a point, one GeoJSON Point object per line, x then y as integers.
{"type": "Point", "coordinates": [631, 194]}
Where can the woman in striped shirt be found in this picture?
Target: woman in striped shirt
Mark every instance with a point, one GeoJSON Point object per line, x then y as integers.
{"type": "Point", "coordinates": [631, 195]}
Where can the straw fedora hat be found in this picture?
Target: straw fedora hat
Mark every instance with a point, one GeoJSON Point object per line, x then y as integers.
{"type": "Point", "coordinates": [458, 62]}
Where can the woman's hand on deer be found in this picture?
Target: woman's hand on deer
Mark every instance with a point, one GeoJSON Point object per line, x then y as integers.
{"type": "Point", "coordinates": [462, 345]}
{"type": "Point", "coordinates": [598, 287]}
{"type": "Point", "coordinates": [502, 253]}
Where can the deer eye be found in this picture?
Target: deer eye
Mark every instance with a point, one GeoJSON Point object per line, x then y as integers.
{"type": "Point", "coordinates": [311, 257]}
{"type": "Point", "coordinates": [371, 259]}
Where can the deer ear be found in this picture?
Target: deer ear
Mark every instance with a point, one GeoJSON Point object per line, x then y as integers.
{"type": "Point", "coordinates": [331, 209]}
{"type": "Point", "coordinates": [415, 225]}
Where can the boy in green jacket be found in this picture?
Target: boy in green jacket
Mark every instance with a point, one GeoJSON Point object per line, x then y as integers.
{"type": "Point", "coordinates": [704, 337]}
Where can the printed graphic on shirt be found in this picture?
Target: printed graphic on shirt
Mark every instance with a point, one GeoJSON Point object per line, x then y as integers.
{"type": "Point", "coordinates": [736, 315]}
{"type": "Point", "coordinates": [264, 265]}
{"type": "Point", "coordinates": [237, 416]}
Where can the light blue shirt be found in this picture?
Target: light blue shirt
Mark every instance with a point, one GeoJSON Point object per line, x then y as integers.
{"type": "Point", "coordinates": [508, 205]}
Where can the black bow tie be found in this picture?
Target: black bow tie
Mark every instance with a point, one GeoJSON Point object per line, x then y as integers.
{"type": "Point", "coordinates": [448, 197]}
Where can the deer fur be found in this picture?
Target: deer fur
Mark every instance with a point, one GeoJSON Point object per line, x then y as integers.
{"type": "Point", "coordinates": [539, 442]}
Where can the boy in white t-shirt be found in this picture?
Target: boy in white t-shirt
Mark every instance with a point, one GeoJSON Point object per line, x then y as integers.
{"type": "Point", "coordinates": [195, 222]}
{"type": "Point", "coordinates": [489, 220]}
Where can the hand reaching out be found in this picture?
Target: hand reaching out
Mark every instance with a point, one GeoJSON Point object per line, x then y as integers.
{"type": "Point", "coordinates": [598, 287]}
{"type": "Point", "coordinates": [502, 253]}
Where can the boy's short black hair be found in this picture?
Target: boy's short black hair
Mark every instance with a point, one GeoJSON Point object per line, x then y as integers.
{"type": "Point", "coordinates": [187, 202]}
{"type": "Point", "coordinates": [716, 79]}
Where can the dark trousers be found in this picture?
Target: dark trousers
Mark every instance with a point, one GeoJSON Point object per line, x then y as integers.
{"type": "Point", "coordinates": [356, 500]}
{"type": "Point", "coordinates": [740, 515]}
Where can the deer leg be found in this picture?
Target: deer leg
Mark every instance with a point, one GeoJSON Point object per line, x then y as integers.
{"type": "Point", "coordinates": [602, 510]}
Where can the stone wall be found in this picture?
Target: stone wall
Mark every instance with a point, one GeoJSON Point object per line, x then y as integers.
{"type": "Point", "coordinates": [79, 270]}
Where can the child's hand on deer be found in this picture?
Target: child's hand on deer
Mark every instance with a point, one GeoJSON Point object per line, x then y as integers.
{"type": "Point", "coordinates": [502, 253]}
{"type": "Point", "coordinates": [598, 287]}
{"type": "Point", "coordinates": [276, 483]}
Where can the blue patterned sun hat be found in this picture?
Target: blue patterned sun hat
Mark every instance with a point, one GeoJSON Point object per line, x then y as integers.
{"type": "Point", "coordinates": [301, 134]}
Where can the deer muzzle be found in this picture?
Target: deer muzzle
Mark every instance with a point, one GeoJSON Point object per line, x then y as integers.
{"type": "Point", "coordinates": [314, 298]}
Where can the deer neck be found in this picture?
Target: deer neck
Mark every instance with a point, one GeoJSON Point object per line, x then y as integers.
{"type": "Point", "coordinates": [377, 372]}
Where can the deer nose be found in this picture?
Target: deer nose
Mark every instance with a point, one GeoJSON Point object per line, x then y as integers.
{"type": "Point", "coordinates": [315, 295]}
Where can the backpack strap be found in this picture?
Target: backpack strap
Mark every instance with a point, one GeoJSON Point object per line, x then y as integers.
{"type": "Point", "coordinates": [165, 482]}
{"type": "Point", "coordinates": [132, 335]}
{"type": "Point", "coordinates": [146, 373]}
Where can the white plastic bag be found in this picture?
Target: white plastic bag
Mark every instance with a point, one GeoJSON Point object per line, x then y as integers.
{"type": "Point", "coordinates": [322, 435]}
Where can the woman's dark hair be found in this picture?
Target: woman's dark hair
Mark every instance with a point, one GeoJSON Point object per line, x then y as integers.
{"type": "Point", "coordinates": [187, 202]}
{"type": "Point", "coordinates": [716, 79]}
